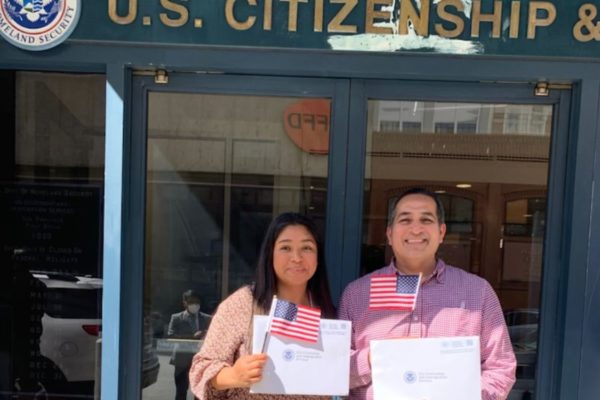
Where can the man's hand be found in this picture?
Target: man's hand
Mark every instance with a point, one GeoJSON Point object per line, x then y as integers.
{"type": "Point", "coordinates": [246, 371]}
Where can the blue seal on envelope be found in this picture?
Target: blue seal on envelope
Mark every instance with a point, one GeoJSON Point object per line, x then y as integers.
{"type": "Point", "coordinates": [410, 377]}
{"type": "Point", "coordinates": [288, 355]}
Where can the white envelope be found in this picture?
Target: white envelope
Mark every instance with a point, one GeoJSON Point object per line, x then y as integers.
{"type": "Point", "coordinates": [426, 369]}
{"type": "Point", "coordinates": [296, 367]}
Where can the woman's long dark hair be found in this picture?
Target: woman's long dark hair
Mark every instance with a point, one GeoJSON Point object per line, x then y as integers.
{"type": "Point", "coordinates": [265, 284]}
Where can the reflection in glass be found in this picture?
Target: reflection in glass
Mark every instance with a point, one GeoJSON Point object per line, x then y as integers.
{"type": "Point", "coordinates": [219, 168]}
{"type": "Point", "coordinates": [489, 165]}
{"type": "Point", "coordinates": [51, 185]}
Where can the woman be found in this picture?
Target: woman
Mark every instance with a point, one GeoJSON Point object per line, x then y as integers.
{"type": "Point", "coordinates": [291, 265]}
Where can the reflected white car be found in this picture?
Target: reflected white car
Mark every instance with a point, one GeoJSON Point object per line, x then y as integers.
{"type": "Point", "coordinates": [71, 326]}
{"type": "Point", "coordinates": [522, 326]}
{"type": "Point", "coordinates": [71, 323]}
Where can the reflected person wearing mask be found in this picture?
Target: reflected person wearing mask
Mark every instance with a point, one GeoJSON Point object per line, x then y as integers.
{"type": "Point", "coordinates": [187, 324]}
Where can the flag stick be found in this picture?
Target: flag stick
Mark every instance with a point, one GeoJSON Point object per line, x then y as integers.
{"type": "Point", "coordinates": [271, 313]}
{"type": "Point", "coordinates": [417, 291]}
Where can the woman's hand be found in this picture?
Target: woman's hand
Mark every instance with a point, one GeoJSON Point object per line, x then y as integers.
{"type": "Point", "coordinates": [246, 371]}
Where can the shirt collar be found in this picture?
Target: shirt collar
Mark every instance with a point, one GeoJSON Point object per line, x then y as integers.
{"type": "Point", "coordinates": [438, 272]}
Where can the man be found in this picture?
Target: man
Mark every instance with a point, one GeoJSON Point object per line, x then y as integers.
{"type": "Point", "coordinates": [187, 324]}
{"type": "Point", "coordinates": [451, 302]}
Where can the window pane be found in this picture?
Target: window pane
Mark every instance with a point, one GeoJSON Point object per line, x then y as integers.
{"type": "Point", "coordinates": [525, 217]}
{"type": "Point", "coordinates": [489, 165]}
{"type": "Point", "coordinates": [51, 188]}
{"type": "Point", "coordinates": [220, 167]}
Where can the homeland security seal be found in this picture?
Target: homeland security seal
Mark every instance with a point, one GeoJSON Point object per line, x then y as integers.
{"type": "Point", "coordinates": [288, 355]}
{"type": "Point", "coordinates": [410, 377]}
{"type": "Point", "coordinates": [38, 24]}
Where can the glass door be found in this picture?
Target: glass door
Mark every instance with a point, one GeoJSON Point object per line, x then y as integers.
{"type": "Point", "coordinates": [486, 150]}
{"type": "Point", "coordinates": [224, 156]}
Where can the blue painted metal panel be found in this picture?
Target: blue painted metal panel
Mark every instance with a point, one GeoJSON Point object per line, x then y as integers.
{"type": "Point", "coordinates": [122, 299]}
{"type": "Point", "coordinates": [589, 384]}
{"type": "Point", "coordinates": [132, 268]}
{"type": "Point", "coordinates": [78, 56]}
{"type": "Point", "coordinates": [355, 183]}
{"type": "Point", "coordinates": [113, 234]}
{"type": "Point", "coordinates": [552, 304]}
{"type": "Point", "coordinates": [578, 195]}
{"type": "Point", "coordinates": [336, 192]}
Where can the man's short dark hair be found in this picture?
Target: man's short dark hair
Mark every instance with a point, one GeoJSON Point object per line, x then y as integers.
{"type": "Point", "coordinates": [190, 294]}
{"type": "Point", "coordinates": [439, 207]}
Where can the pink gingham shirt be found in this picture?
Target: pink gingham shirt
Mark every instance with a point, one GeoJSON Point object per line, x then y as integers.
{"type": "Point", "coordinates": [451, 302]}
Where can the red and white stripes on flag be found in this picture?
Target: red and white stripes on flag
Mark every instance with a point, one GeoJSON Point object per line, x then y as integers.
{"type": "Point", "coordinates": [394, 292]}
{"type": "Point", "coordinates": [295, 321]}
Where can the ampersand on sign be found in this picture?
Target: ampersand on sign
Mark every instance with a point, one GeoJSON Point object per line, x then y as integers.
{"type": "Point", "coordinates": [586, 29]}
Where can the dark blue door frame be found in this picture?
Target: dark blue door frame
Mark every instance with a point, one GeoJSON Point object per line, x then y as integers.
{"type": "Point", "coordinates": [128, 327]}
{"type": "Point", "coordinates": [552, 308]}
{"type": "Point", "coordinates": [579, 261]}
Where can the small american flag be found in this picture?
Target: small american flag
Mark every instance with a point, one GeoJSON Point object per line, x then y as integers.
{"type": "Point", "coordinates": [394, 292]}
{"type": "Point", "coordinates": [295, 321]}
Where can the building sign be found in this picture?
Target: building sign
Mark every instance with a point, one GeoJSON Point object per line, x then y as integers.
{"type": "Point", "coordinates": [51, 227]}
{"type": "Point", "coordinates": [38, 24]}
{"type": "Point", "coordinates": [506, 27]}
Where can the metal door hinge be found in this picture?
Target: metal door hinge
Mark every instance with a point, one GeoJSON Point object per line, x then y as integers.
{"type": "Point", "coordinates": [542, 88]}
{"type": "Point", "coordinates": [161, 77]}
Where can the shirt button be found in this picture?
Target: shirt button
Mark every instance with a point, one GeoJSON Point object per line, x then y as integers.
{"type": "Point", "coordinates": [415, 318]}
